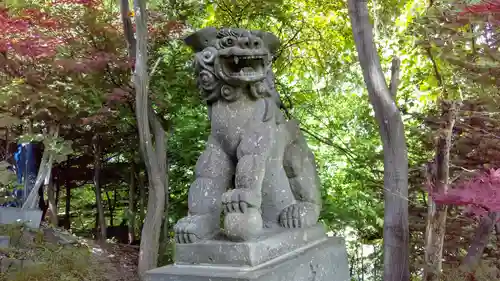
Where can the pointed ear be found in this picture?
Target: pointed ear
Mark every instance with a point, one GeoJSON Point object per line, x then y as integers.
{"type": "Point", "coordinates": [270, 40]}
{"type": "Point", "coordinates": [201, 39]}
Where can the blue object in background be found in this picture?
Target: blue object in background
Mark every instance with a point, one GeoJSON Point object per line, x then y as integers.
{"type": "Point", "coordinates": [20, 159]}
{"type": "Point", "coordinates": [26, 170]}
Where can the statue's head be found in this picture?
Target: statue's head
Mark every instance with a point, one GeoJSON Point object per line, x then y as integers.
{"type": "Point", "coordinates": [231, 56]}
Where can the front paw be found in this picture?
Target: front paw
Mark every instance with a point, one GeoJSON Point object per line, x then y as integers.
{"type": "Point", "coordinates": [243, 226]}
{"type": "Point", "coordinates": [191, 229]}
{"type": "Point", "coordinates": [299, 215]}
{"type": "Point", "coordinates": [239, 200]}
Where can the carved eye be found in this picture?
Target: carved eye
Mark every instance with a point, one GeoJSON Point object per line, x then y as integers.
{"type": "Point", "coordinates": [208, 54]}
{"type": "Point", "coordinates": [228, 41]}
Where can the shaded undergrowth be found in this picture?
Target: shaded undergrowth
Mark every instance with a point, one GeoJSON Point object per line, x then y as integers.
{"type": "Point", "coordinates": [43, 255]}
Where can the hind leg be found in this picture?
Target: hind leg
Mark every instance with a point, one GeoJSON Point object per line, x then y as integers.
{"type": "Point", "coordinates": [214, 172]}
{"type": "Point", "coordinates": [304, 182]}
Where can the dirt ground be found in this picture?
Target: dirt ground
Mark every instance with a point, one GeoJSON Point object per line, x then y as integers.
{"type": "Point", "coordinates": [121, 259]}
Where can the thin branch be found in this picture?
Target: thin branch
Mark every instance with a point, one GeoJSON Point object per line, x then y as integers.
{"type": "Point", "coordinates": [155, 65]}
{"type": "Point", "coordinates": [435, 67]}
{"type": "Point", "coordinates": [327, 142]}
{"type": "Point", "coordinates": [395, 69]}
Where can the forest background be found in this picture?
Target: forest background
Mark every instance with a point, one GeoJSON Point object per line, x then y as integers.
{"type": "Point", "coordinates": [68, 84]}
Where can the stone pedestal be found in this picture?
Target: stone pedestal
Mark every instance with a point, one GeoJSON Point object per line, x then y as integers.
{"type": "Point", "coordinates": [4, 241]}
{"type": "Point", "coordinates": [291, 255]}
{"type": "Point", "coordinates": [31, 217]}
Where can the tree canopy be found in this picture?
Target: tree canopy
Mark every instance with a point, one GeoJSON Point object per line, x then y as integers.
{"type": "Point", "coordinates": [67, 64]}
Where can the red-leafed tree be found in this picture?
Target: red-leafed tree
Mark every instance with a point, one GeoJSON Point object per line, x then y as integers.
{"type": "Point", "coordinates": [67, 63]}
{"type": "Point", "coordinates": [53, 67]}
{"type": "Point", "coordinates": [48, 59]}
{"type": "Point", "coordinates": [481, 194]}
{"type": "Point", "coordinates": [462, 40]}
{"type": "Point", "coordinates": [486, 7]}
{"type": "Point", "coordinates": [480, 197]}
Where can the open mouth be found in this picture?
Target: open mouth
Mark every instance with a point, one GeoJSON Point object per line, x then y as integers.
{"type": "Point", "coordinates": [246, 67]}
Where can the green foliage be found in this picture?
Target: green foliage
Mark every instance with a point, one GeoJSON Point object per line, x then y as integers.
{"type": "Point", "coordinates": [318, 78]}
{"type": "Point", "coordinates": [58, 147]}
{"type": "Point", "coordinates": [6, 176]}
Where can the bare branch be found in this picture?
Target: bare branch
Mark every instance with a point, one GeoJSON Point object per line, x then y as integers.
{"type": "Point", "coordinates": [127, 27]}
{"type": "Point", "coordinates": [395, 69]}
{"type": "Point", "coordinates": [155, 65]}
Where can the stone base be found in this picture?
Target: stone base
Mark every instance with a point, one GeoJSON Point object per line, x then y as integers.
{"type": "Point", "coordinates": [321, 260]}
{"type": "Point", "coordinates": [270, 244]}
{"type": "Point", "coordinates": [10, 215]}
{"type": "Point", "coordinates": [4, 241]}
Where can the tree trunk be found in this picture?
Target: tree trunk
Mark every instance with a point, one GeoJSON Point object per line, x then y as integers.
{"type": "Point", "coordinates": [154, 157]}
{"type": "Point", "coordinates": [33, 198]}
{"type": "Point", "coordinates": [480, 240]}
{"type": "Point", "coordinates": [396, 232]}
{"type": "Point", "coordinates": [436, 214]}
{"type": "Point", "coordinates": [131, 205]}
{"type": "Point", "coordinates": [67, 223]}
{"type": "Point", "coordinates": [58, 193]}
{"type": "Point", "coordinates": [111, 207]}
{"type": "Point", "coordinates": [97, 188]}
{"type": "Point", "coordinates": [51, 195]}
{"type": "Point", "coordinates": [165, 237]}
{"type": "Point", "coordinates": [142, 200]}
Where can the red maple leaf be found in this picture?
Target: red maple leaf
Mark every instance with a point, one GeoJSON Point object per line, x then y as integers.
{"type": "Point", "coordinates": [481, 194]}
{"type": "Point", "coordinates": [484, 7]}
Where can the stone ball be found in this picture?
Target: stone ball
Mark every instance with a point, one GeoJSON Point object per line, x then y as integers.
{"type": "Point", "coordinates": [243, 226]}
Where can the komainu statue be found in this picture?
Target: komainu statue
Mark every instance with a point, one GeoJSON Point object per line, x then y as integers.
{"type": "Point", "coordinates": [257, 169]}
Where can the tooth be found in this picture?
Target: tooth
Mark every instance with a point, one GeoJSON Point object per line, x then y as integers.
{"type": "Point", "coordinates": [241, 72]}
{"type": "Point", "coordinates": [236, 59]}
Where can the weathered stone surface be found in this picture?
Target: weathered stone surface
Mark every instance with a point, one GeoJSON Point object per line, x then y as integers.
{"type": "Point", "coordinates": [31, 217]}
{"type": "Point", "coordinates": [256, 168]}
{"type": "Point", "coordinates": [257, 171]}
{"type": "Point", "coordinates": [268, 245]}
{"type": "Point", "coordinates": [324, 260]}
{"type": "Point", "coordinates": [4, 241]}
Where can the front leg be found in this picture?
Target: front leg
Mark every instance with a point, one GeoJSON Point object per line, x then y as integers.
{"type": "Point", "coordinates": [214, 172]}
{"type": "Point", "coordinates": [242, 204]}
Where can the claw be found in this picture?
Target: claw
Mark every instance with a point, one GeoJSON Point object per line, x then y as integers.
{"type": "Point", "coordinates": [295, 216]}
{"type": "Point", "coordinates": [192, 238]}
{"type": "Point", "coordinates": [194, 228]}
{"type": "Point", "coordinates": [243, 207]}
{"type": "Point", "coordinates": [235, 207]}
{"type": "Point", "coordinates": [239, 200]}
